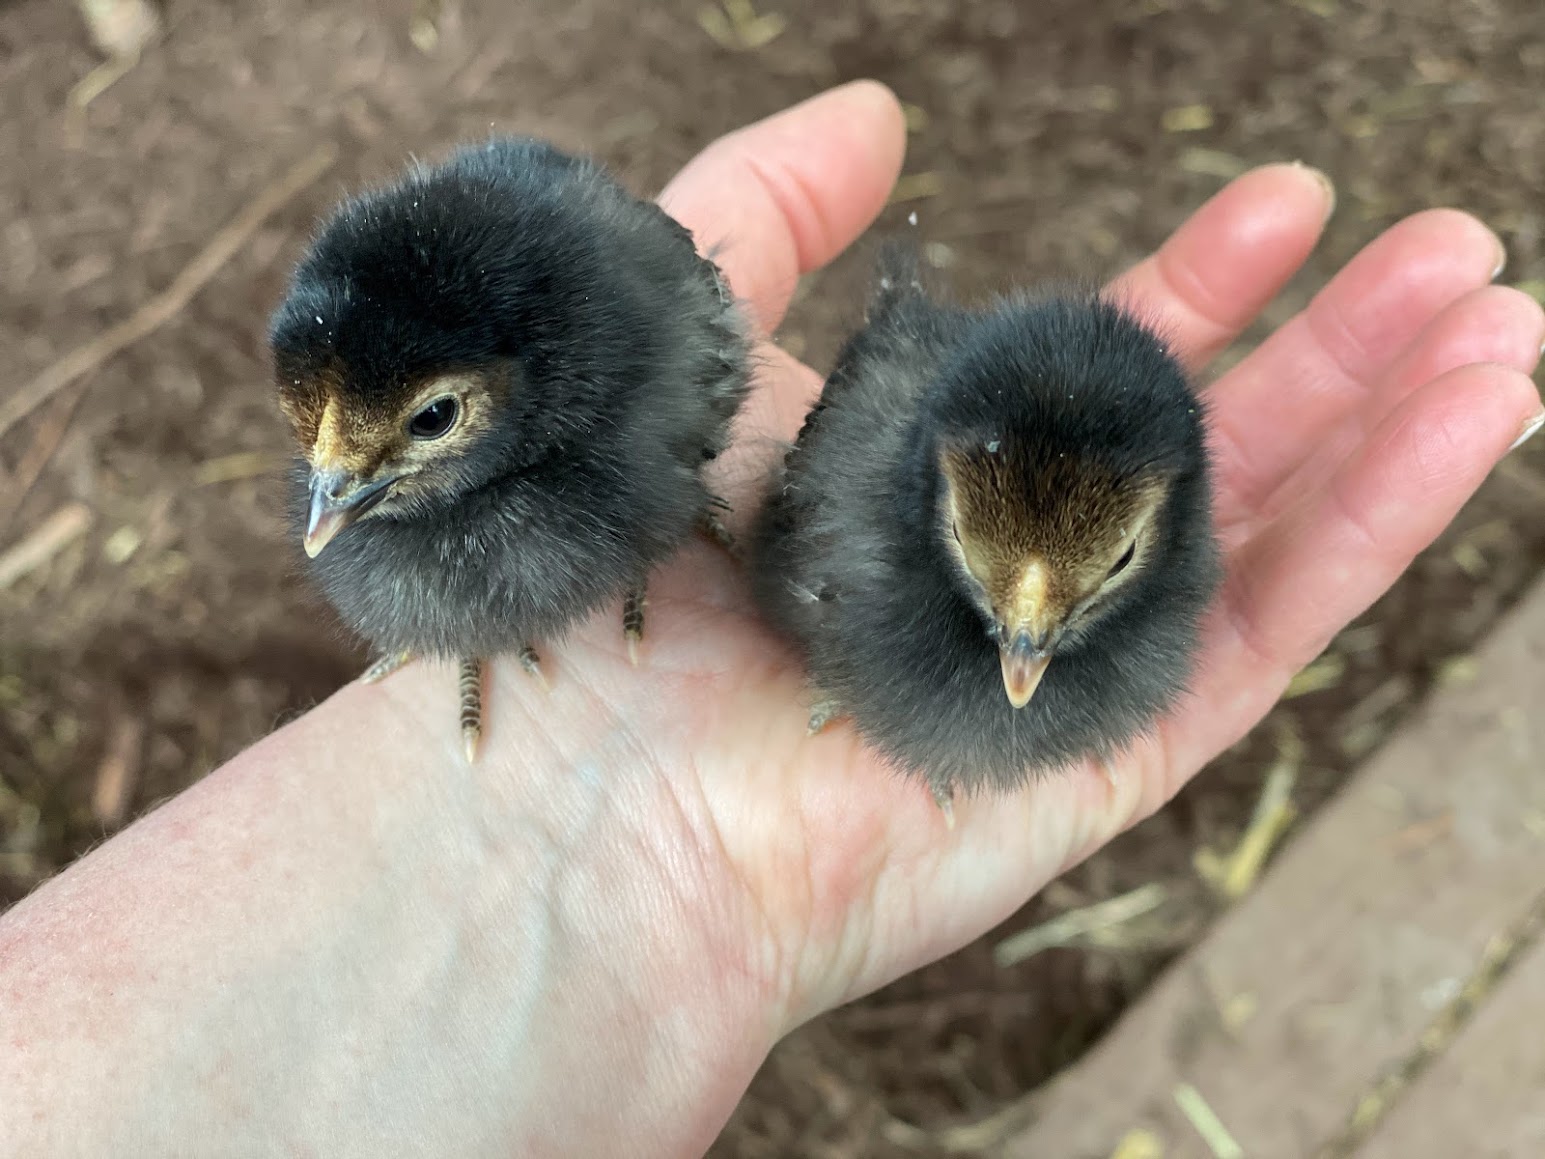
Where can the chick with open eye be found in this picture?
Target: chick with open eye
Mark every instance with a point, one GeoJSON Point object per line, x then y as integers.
{"type": "Point", "coordinates": [992, 540]}
{"type": "Point", "coordinates": [505, 374]}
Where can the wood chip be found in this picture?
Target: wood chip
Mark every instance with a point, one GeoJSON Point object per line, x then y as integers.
{"type": "Point", "coordinates": [229, 468]}
{"type": "Point", "coordinates": [1139, 1143]}
{"type": "Point", "coordinates": [122, 544]}
{"type": "Point", "coordinates": [916, 187]}
{"type": "Point", "coordinates": [1065, 928]}
{"type": "Point", "coordinates": [1187, 119]}
{"type": "Point", "coordinates": [1363, 638]}
{"type": "Point", "coordinates": [1319, 675]}
{"type": "Point", "coordinates": [1235, 875]}
{"type": "Point", "coordinates": [424, 25]}
{"type": "Point", "coordinates": [49, 538]}
{"type": "Point", "coordinates": [118, 774]}
{"type": "Point", "coordinates": [1207, 1123]}
{"type": "Point", "coordinates": [1212, 163]}
{"type": "Point", "coordinates": [1458, 672]}
{"type": "Point", "coordinates": [46, 438]}
{"type": "Point", "coordinates": [735, 25]}
{"type": "Point", "coordinates": [120, 28]}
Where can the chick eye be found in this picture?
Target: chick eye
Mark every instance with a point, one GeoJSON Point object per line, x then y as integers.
{"type": "Point", "coordinates": [1121, 564]}
{"type": "Point", "coordinates": [435, 419]}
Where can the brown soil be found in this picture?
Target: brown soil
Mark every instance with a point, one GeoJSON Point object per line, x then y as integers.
{"type": "Point", "coordinates": [1064, 137]}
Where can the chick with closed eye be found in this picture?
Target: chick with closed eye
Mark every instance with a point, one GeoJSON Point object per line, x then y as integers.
{"type": "Point", "coordinates": [992, 540]}
{"type": "Point", "coordinates": [505, 375]}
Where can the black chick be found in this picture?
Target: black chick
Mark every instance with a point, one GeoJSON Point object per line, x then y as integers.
{"type": "Point", "coordinates": [505, 374]}
{"type": "Point", "coordinates": [993, 538]}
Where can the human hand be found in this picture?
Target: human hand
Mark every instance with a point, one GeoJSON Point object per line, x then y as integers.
{"type": "Point", "coordinates": [586, 943]}
{"type": "Point", "coordinates": [1344, 445]}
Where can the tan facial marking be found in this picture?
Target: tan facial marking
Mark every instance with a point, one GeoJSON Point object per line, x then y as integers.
{"type": "Point", "coordinates": [1028, 605]}
{"type": "Point", "coordinates": [328, 451]}
{"type": "Point", "coordinates": [1040, 545]}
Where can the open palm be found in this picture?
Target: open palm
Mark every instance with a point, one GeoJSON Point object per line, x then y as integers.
{"type": "Point", "coordinates": [1344, 445]}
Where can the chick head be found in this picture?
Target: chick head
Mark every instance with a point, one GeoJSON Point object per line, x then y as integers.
{"type": "Point", "coordinates": [427, 342]}
{"type": "Point", "coordinates": [1071, 467]}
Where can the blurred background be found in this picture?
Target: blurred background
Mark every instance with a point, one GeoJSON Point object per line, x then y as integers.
{"type": "Point", "coordinates": [163, 164]}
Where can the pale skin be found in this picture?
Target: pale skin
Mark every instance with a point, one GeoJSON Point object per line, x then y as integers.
{"type": "Point", "coordinates": [349, 941]}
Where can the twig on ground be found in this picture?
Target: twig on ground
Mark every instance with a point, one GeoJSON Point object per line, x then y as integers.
{"type": "Point", "coordinates": [170, 302]}
{"type": "Point", "coordinates": [45, 541]}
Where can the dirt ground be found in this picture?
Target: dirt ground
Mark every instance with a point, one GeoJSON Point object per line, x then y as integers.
{"type": "Point", "coordinates": [1050, 138]}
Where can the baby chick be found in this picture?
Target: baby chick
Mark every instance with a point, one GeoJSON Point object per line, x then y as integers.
{"type": "Point", "coordinates": [505, 374]}
{"type": "Point", "coordinates": [992, 540]}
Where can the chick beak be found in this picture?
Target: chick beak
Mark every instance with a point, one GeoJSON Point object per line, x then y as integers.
{"type": "Point", "coordinates": [337, 500]}
{"type": "Point", "coordinates": [1023, 666]}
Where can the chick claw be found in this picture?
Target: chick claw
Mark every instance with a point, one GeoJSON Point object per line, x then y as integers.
{"type": "Point", "coordinates": [532, 664]}
{"type": "Point", "coordinates": [944, 797]}
{"type": "Point", "coordinates": [713, 529]}
{"type": "Point", "coordinates": [385, 666]}
{"type": "Point", "coordinates": [471, 682]}
{"type": "Point", "coordinates": [633, 622]}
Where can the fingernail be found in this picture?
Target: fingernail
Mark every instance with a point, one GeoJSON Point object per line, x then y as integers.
{"type": "Point", "coordinates": [1325, 183]}
{"type": "Point", "coordinates": [1501, 260]}
{"type": "Point", "coordinates": [1531, 428]}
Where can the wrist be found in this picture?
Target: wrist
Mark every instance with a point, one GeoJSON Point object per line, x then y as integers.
{"type": "Point", "coordinates": [383, 942]}
{"type": "Point", "coordinates": [585, 966]}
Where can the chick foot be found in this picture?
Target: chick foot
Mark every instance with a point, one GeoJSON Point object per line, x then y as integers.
{"type": "Point", "coordinates": [471, 684]}
{"type": "Point", "coordinates": [385, 666]}
{"type": "Point", "coordinates": [710, 525]}
{"type": "Point", "coordinates": [531, 663]}
{"type": "Point", "coordinates": [633, 622]}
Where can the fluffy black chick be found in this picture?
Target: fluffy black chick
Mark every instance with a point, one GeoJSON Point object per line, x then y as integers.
{"type": "Point", "coordinates": [993, 539]}
{"type": "Point", "coordinates": [505, 374]}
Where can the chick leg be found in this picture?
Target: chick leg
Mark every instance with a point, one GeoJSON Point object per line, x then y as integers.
{"type": "Point", "coordinates": [823, 710]}
{"type": "Point", "coordinates": [532, 663]}
{"type": "Point", "coordinates": [712, 528]}
{"type": "Point", "coordinates": [385, 666]}
{"type": "Point", "coordinates": [471, 684]}
{"type": "Point", "coordinates": [633, 622]}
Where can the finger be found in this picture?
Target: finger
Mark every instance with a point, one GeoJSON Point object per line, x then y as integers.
{"type": "Point", "coordinates": [764, 429]}
{"type": "Point", "coordinates": [1268, 413]}
{"type": "Point", "coordinates": [784, 196]}
{"type": "Point", "coordinates": [1296, 584]}
{"type": "Point", "coordinates": [1494, 324]}
{"type": "Point", "coordinates": [1230, 258]}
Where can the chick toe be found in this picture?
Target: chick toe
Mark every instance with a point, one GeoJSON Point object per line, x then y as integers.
{"type": "Point", "coordinates": [532, 664]}
{"type": "Point", "coordinates": [712, 528]}
{"type": "Point", "coordinates": [385, 666]}
{"type": "Point", "coordinates": [633, 622]}
{"type": "Point", "coordinates": [471, 685]}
